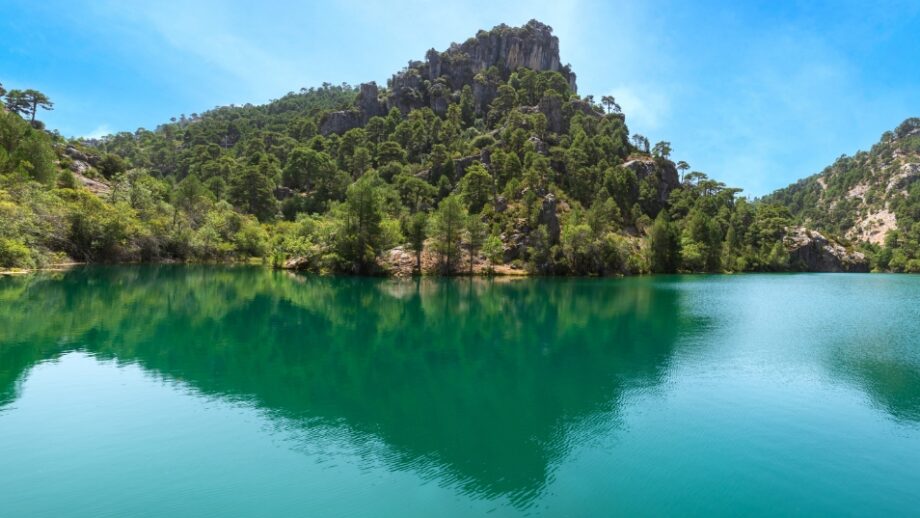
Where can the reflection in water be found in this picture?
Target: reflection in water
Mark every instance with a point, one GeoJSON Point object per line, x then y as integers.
{"type": "Point", "coordinates": [484, 385]}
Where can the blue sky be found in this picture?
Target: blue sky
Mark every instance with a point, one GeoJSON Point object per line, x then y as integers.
{"type": "Point", "coordinates": [756, 94]}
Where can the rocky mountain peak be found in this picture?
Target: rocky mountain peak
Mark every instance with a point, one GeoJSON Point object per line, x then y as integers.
{"type": "Point", "coordinates": [439, 78]}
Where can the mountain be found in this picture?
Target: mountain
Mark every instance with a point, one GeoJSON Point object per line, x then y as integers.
{"type": "Point", "coordinates": [482, 157]}
{"type": "Point", "coordinates": [872, 197]}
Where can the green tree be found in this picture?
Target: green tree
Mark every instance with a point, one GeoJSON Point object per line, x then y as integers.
{"type": "Point", "coordinates": [682, 168]}
{"type": "Point", "coordinates": [494, 251]}
{"type": "Point", "coordinates": [540, 250]}
{"type": "Point", "coordinates": [252, 189]}
{"type": "Point", "coordinates": [416, 231]}
{"type": "Point", "coordinates": [467, 109]}
{"type": "Point", "coordinates": [26, 103]}
{"type": "Point", "coordinates": [447, 230]}
{"type": "Point", "coordinates": [476, 187]}
{"type": "Point", "coordinates": [390, 151]}
{"type": "Point", "coordinates": [192, 198]}
{"type": "Point", "coordinates": [662, 243]}
{"type": "Point", "coordinates": [476, 233]}
{"type": "Point", "coordinates": [662, 150]}
{"type": "Point", "coordinates": [361, 238]}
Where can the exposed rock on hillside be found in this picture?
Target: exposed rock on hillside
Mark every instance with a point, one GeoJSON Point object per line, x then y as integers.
{"type": "Point", "coordinates": [664, 173]}
{"type": "Point", "coordinates": [423, 83]}
{"type": "Point", "coordinates": [858, 196]}
{"type": "Point", "coordinates": [367, 105]}
{"type": "Point", "coordinates": [812, 251]}
{"type": "Point", "coordinates": [438, 80]}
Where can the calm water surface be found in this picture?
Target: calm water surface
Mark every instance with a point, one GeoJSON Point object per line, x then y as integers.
{"type": "Point", "coordinates": [193, 391]}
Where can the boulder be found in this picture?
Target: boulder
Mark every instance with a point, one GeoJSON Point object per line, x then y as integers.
{"type": "Point", "coordinates": [76, 154]}
{"type": "Point", "coordinates": [812, 251]}
{"type": "Point", "coordinates": [298, 264]}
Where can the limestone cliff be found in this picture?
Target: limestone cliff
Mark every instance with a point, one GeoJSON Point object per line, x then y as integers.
{"type": "Point", "coordinates": [439, 79]}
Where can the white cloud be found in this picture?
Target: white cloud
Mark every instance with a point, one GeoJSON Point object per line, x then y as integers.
{"type": "Point", "coordinates": [100, 131]}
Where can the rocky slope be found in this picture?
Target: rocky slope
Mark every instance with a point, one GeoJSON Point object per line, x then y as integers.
{"type": "Point", "coordinates": [859, 197]}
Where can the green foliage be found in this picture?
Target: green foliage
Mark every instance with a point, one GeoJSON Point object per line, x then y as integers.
{"type": "Point", "coordinates": [494, 251]}
{"type": "Point", "coordinates": [416, 231]}
{"type": "Point", "coordinates": [252, 188]}
{"type": "Point", "coordinates": [662, 245]}
{"type": "Point", "coordinates": [447, 231]}
{"type": "Point", "coordinates": [474, 176]}
{"type": "Point", "coordinates": [26, 103]}
{"type": "Point", "coordinates": [25, 151]}
{"type": "Point", "coordinates": [476, 188]}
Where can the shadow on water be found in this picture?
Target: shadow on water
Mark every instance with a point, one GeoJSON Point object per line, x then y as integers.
{"type": "Point", "coordinates": [484, 385]}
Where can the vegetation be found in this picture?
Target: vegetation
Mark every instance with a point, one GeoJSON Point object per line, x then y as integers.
{"type": "Point", "coordinates": [538, 179]}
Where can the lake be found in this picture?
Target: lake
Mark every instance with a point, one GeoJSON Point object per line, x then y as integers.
{"type": "Point", "coordinates": [240, 391]}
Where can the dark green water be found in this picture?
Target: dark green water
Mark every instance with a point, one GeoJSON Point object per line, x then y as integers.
{"type": "Point", "coordinates": [194, 391]}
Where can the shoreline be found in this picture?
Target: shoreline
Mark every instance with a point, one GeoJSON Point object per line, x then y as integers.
{"type": "Point", "coordinates": [57, 267]}
{"type": "Point", "coordinates": [499, 272]}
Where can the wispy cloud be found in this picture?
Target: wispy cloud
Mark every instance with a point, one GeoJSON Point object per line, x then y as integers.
{"type": "Point", "coordinates": [100, 131]}
{"type": "Point", "coordinates": [213, 35]}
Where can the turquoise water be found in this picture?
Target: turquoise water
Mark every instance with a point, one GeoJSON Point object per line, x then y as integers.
{"type": "Point", "coordinates": [203, 391]}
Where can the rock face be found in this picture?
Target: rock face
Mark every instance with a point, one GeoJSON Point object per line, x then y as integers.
{"type": "Point", "coordinates": [551, 107]}
{"type": "Point", "coordinates": [664, 173]}
{"type": "Point", "coordinates": [341, 121]}
{"type": "Point", "coordinates": [438, 80]}
{"type": "Point", "coordinates": [430, 82]}
{"type": "Point", "coordinates": [367, 105]}
{"type": "Point", "coordinates": [811, 251]}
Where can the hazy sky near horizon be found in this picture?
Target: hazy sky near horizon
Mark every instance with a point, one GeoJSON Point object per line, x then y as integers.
{"type": "Point", "coordinates": [755, 94]}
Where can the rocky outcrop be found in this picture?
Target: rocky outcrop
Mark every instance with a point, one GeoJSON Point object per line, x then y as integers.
{"type": "Point", "coordinates": [94, 186]}
{"type": "Point", "coordinates": [367, 105]}
{"type": "Point", "coordinates": [551, 107]}
{"type": "Point", "coordinates": [339, 122]}
{"type": "Point", "coordinates": [443, 74]}
{"type": "Point", "coordinates": [462, 164]}
{"type": "Point", "coordinates": [438, 80]}
{"type": "Point", "coordinates": [812, 251]}
{"type": "Point", "coordinates": [663, 174]}
{"type": "Point", "coordinates": [368, 102]}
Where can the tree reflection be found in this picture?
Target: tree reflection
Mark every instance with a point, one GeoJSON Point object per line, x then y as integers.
{"type": "Point", "coordinates": [486, 385]}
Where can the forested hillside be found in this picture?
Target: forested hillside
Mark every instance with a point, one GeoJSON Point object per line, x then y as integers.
{"type": "Point", "coordinates": [482, 157]}
{"type": "Point", "coordinates": [872, 198]}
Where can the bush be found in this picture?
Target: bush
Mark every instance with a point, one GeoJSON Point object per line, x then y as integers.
{"type": "Point", "coordinates": [15, 254]}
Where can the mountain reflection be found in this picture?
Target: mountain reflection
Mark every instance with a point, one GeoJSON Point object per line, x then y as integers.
{"type": "Point", "coordinates": [482, 384]}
